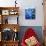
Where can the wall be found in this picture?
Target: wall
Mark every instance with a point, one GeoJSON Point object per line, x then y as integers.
{"type": "Point", "coordinates": [24, 4]}
{"type": "Point", "coordinates": [39, 13]}
{"type": "Point", "coordinates": [37, 29]}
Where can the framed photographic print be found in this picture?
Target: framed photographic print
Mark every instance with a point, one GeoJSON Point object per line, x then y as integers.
{"type": "Point", "coordinates": [5, 12]}
{"type": "Point", "coordinates": [13, 12]}
{"type": "Point", "coordinates": [30, 13]}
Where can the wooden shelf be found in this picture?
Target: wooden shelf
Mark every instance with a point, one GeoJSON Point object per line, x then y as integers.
{"type": "Point", "coordinates": [10, 42]}
{"type": "Point", "coordinates": [4, 13]}
{"type": "Point", "coordinates": [10, 26]}
{"type": "Point", "coordinates": [5, 8]}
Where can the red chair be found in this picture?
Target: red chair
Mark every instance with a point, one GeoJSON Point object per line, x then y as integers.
{"type": "Point", "coordinates": [29, 33]}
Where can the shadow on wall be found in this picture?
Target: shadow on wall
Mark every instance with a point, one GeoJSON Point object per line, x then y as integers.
{"type": "Point", "coordinates": [37, 29]}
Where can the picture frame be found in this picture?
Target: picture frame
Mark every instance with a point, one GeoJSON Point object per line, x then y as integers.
{"type": "Point", "coordinates": [5, 12]}
{"type": "Point", "coordinates": [30, 13]}
{"type": "Point", "coordinates": [13, 12]}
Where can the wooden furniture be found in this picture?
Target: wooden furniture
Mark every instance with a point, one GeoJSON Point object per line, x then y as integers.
{"type": "Point", "coordinates": [8, 11]}
{"type": "Point", "coordinates": [0, 43]}
{"type": "Point", "coordinates": [7, 23]}
{"type": "Point", "coordinates": [44, 21]}
{"type": "Point", "coordinates": [10, 43]}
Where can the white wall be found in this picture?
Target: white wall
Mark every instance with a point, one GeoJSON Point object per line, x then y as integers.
{"type": "Point", "coordinates": [24, 4]}
{"type": "Point", "coordinates": [37, 4]}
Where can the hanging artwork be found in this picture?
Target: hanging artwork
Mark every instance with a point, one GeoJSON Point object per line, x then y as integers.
{"type": "Point", "coordinates": [30, 13]}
